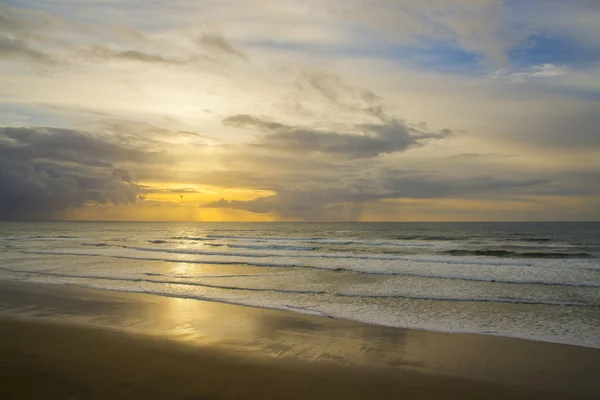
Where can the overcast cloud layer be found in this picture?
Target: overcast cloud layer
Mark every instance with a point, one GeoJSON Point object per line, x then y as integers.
{"type": "Point", "coordinates": [300, 110]}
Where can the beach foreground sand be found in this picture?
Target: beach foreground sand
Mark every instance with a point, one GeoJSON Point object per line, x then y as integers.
{"type": "Point", "coordinates": [64, 342]}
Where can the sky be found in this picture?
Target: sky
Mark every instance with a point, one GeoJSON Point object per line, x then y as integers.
{"type": "Point", "coordinates": [306, 110]}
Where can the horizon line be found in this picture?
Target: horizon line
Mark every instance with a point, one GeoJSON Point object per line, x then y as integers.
{"type": "Point", "coordinates": [312, 222]}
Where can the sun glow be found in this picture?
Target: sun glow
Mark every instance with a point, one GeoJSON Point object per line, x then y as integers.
{"type": "Point", "coordinates": [175, 202]}
{"type": "Point", "coordinates": [197, 195]}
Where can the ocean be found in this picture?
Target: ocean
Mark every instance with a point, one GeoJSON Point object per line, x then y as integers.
{"type": "Point", "coordinates": [538, 281]}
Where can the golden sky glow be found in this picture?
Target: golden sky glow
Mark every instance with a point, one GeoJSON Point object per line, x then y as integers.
{"type": "Point", "coordinates": [196, 195]}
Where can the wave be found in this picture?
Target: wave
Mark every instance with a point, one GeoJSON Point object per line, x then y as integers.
{"type": "Point", "coordinates": [265, 238]}
{"type": "Point", "coordinates": [354, 252]}
{"type": "Point", "coordinates": [432, 237]}
{"type": "Point", "coordinates": [396, 241]}
{"type": "Point", "coordinates": [311, 292]}
{"type": "Point", "coordinates": [203, 276]}
{"type": "Point", "coordinates": [335, 269]}
{"type": "Point", "coordinates": [312, 240]}
{"type": "Point", "coordinates": [369, 243]}
{"type": "Point", "coordinates": [191, 238]}
{"type": "Point", "coordinates": [263, 247]}
{"type": "Point", "coordinates": [39, 237]}
{"type": "Point", "coordinates": [468, 238]}
{"type": "Point", "coordinates": [515, 254]}
{"type": "Point", "coordinates": [323, 255]}
{"type": "Point", "coordinates": [533, 239]}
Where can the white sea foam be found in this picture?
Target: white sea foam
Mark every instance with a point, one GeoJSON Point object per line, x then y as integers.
{"type": "Point", "coordinates": [262, 246]}
{"type": "Point", "coordinates": [397, 293]}
{"type": "Point", "coordinates": [426, 268]}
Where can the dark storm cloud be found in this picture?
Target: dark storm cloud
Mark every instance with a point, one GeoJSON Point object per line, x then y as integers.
{"type": "Point", "coordinates": [47, 170]}
{"type": "Point", "coordinates": [41, 190]}
{"type": "Point", "coordinates": [387, 137]}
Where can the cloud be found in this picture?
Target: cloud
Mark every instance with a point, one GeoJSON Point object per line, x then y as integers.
{"type": "Point", "coordinates": [535, 71]}
{"type": "Point", "coordinates": [318, 92]}
{"type": "Point", "coordinates": [38, 36]}
{"type": "Point", "coordinates": [132, 55]}
{"type": "Point", "coordinates": [71, 145]}
{"type": "Point", "coordinates": [32, 190]}
{"type": "Point", "coordinates": [148, 132]}
{"type": "Point", "coordinates": [216, 42]}
{"type": "Point", "coordinates": [353, 193]}
{"type": "Point", "coordinates": [26, 23]}
{"type": "Point", "coordinates": [48, 170]}
{"type": "Point", "coordinates": [24, 34]}
{"type": "Point", "coordinates": [15, 48]}
{"type": "Point", "coordinates": [371, 140]}
{"type": "Point", "coordinates": [122, 175]}
{"type": "Point", "coordinates": [479, 27]}
{"type": "Point", "coordinates": [148, 190]}
{"type": "Point", "coordinates": [45, 171]}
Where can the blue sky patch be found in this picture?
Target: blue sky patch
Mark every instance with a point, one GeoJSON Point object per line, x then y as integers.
{"type": "Point", "coordinates": [546, 49]}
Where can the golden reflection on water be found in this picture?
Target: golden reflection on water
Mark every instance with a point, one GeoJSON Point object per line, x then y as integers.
{"type": "Point", "coordinates": [182, 268]}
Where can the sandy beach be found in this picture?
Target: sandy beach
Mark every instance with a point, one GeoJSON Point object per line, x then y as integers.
{"type": "Point", "coordinates": [65, 342]}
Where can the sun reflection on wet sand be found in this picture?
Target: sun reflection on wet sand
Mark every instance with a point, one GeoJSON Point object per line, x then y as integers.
{"type": "Point", "coordinates": [204, 322]}
{"type": "Point", "coordinates": [265, 333]}
{"type": "Point", "coordinates": [281, 334]}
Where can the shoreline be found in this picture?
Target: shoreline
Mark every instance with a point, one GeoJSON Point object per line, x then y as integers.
{"type": "Point", "coordinates": [308, 312]}
{"type": "Point", "coordinates": [285, 340]}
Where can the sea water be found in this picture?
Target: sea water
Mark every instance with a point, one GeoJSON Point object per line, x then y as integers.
{"type": "Point", "coordinates": [537, 281]}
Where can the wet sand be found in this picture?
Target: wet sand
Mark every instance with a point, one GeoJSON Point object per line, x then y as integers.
{"type": "Point", "coordinates": [64, 342]}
